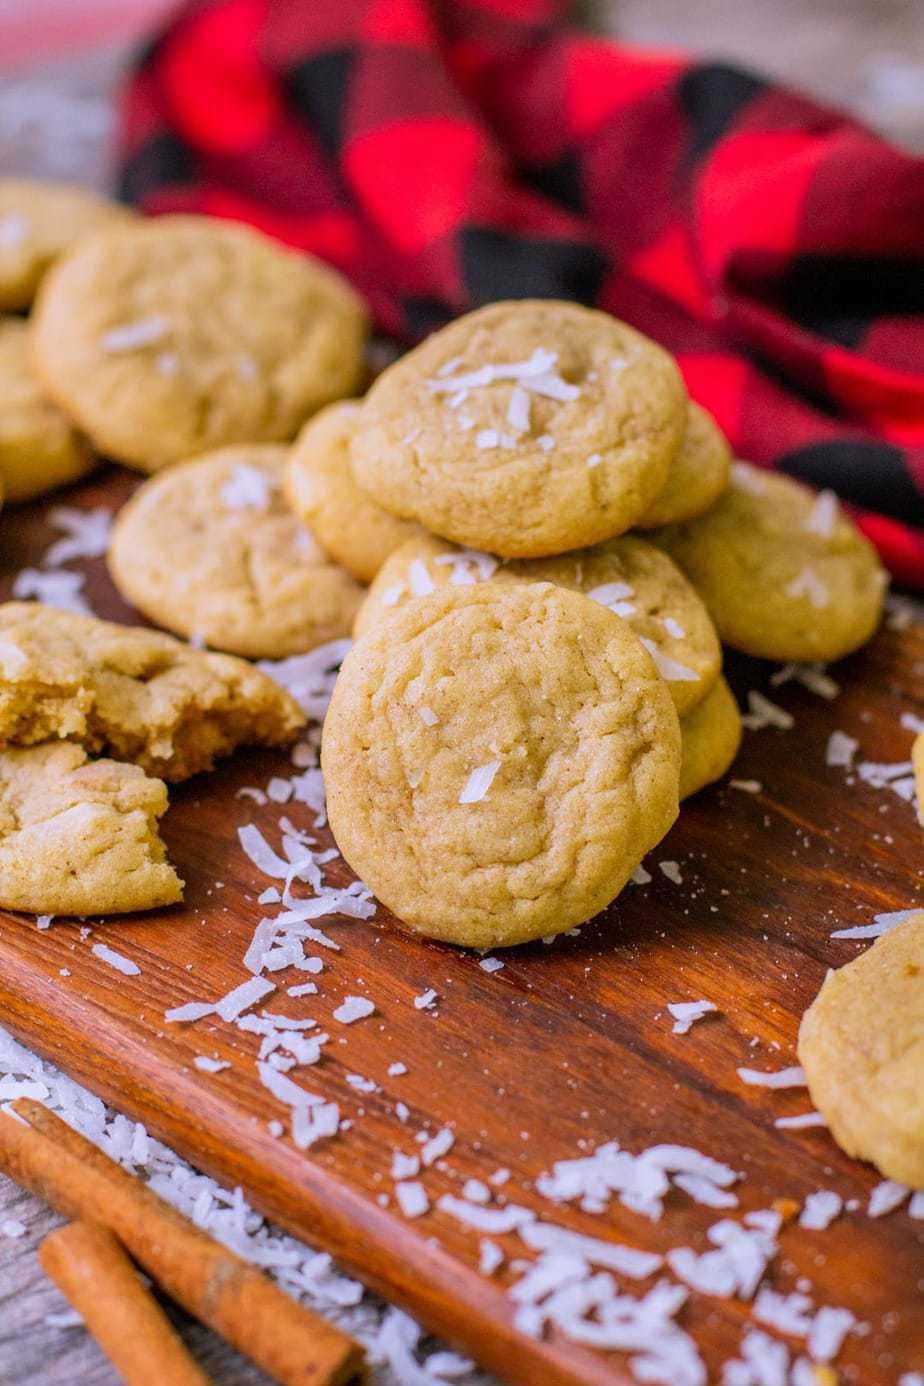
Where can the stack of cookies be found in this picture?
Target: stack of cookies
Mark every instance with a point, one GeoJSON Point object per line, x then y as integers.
{"type": "Point", "coordinates": [537, 540]}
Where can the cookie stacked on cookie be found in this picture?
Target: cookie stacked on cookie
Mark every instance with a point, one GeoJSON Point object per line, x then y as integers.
{"type": "Point", "coordinates": [526, 447]}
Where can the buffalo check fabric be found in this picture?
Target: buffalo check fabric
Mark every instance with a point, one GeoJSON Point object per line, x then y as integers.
{"type": "Point", "coordinates": [446, 153]}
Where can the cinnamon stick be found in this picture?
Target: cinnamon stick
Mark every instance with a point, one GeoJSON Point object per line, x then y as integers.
{"type": "Point", "coordinates": [92, 1271]}
{"type": "Point", "coordinates": [292, 1344]}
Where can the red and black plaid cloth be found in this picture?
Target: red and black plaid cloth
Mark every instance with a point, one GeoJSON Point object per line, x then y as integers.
{"type": "Point", "coordinates": [445, 153]}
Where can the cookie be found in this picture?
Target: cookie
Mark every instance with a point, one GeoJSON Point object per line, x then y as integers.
{"type": "Point", "coordinates": [38, 223]}
{"type": "Point", "coordinates": [80, 837]}
{"type": "Point", "coordinates": [784, 573]}
{"type": "Point", "coordinates": [498, 760]}
{"type": "Point", "coordinates": [709, 738]}
{"type": "Point", "coordinates": [239, 572]}
{"type": "Point", "coordinates": [861, 1044]}
{"type": "Point", "coordinates": [39, 449]}
{"type": "Point", "coordinates": [633, 578]}
{"type": "Point", "coordinates": [135, 694]}
{"type": "Point", "coordinates": [351, 525]}
{"type": "Point", "coordinates": [698, 474]}
{"type": "Point", "coordinates": [526, 429]}
{"type": "Point", "coordinates": [170, 337]}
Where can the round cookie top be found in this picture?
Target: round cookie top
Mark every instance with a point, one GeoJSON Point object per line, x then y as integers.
{"type": "Point", "coordinates": [784, 572]}
{"type": "Point", "coordinates": [353, 528]}
{"type": "Point", "coordinates": [698, 474]}
{"type": "Point", "coordinates": [210, 550]}
{"type": "Point", "coordinates": [168, 337]}
{"type": "Point", "coordinates": [498, 760]}
{"type": "Point", "coordinates": [709, 738]}
{"type": "Point", "coordinates": [80, 837]}
{"type": "Point", "coordinates": [631, 577]}
{"type": "Point", "coordinates": [861, 1044]}
{"type": "Point", "coordinates": [39, 449]}
{"type": "Point", "coordinates": [526, 428]}
{"type": "Point", "coordinates": [39, 222]}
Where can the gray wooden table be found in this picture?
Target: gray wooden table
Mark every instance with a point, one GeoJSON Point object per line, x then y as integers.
{"type": "Point", "coordinates": [865, 55]}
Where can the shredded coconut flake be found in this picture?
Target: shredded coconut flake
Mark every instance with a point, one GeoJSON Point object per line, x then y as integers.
{"type": "Point", "coordinates": [412, 1199]}
{"type": "Point", "coordinates": [353, 1008]}
{"type": "Point", "coordinates": [670, 669]}
{"type": "Point", "coordinates": [763, 713]}
{"type": "Point", "coordinates": [479, 782]}
{"type": "Point", "coordinates": [130, 336]}
{"type": "Point", "coordinates": [841, 749]}
{"type": "Point", "coordinates": [820, 1210]}
{"type": "Point", "coordinates": [115, 960]}
{"type": "Point", "coordinates": [671, 869]}
{"type": "Point", "coordinates": [63, 590]}
{"type": "Point", "coordinates": [686, 1013]}
{"type": "Point", "coordinates": [247, 488]}
{"type": "Point", "coordinates": [886, 1197]}
{"type": "Point", "coordinates": [86, 534]}
{"type": "Point", "coordinates": [779, 1078]}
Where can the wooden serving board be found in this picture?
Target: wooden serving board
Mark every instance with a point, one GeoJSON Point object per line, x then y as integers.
{"type": "Point", "coordinates": [566, 1047]}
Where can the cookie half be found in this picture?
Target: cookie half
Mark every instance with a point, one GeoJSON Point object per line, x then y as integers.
{"type": "Point", "coordinates": [137, 695]}
{"type": "Point", "coordinates": [80, 837]}
{"type": "Point", "coordinates": [710, 736]}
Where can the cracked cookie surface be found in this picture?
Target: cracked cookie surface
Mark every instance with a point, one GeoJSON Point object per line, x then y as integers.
{"type": "Point", "coordinates": [349, 523]}
{"type": "Point", "coordinates": [135, 694]}
{"type": "Point", "coordinates": [498, 759]}
{"type": "Point", "coordinates": [39, 449]}
{"type": "Point", "coordinates": [237, 570]}
{"type": "Point", "coordinates": [80, 836]}
{"type": "Point", "coordinates": [784, 573]}
{"type": "Point", "coordinates": [169, 337]}
{"type": "Point", "coordinates": [38, 223]}
{"type": "Point", "coordinates": [861, 1044]}
{"type": "Point", "coordinates": [630, 576]}
{"type": "Point", "coordinates": [527, 428]}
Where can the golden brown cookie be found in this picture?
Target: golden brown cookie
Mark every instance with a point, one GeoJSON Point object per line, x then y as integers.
{"type": "Point", "coordinates": [527, 428]}
{"type": "Point", "coordinates": [861, 1044]}
{"type": "Point", "coordinates": [239, 571]}
{"type": "Point", "coordinates": [39, 449]}
{"type": "Point", "coordinates": [784, 572]}
{"type": "Point", "coordinates": [351, 525]}
{"type": "Point", "coordinates": [498, 760]}
{"type": "Point", "coordinates": [136, 694]}
{"type": "Point", "coordinates": [631, 577]}
{"type": "Point", "coordinates": [698, 474]}
{"type": "Point", "coordinates": [710, 736]}
{"type": "Point", "coordinates": [169, 337]}
{"type": "Point", "coordinates": [39, 222]}
{"type": "Point", "coordinates": [80, 837]}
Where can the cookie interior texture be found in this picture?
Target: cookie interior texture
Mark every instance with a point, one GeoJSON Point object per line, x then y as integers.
{"type": "Point", "coordinates": [80, 837]}
{"type": "Point", "coordinates": [861, 1044]}
{"type": "Point", "coordinates": [527, 428]}
{"type": "Point", "coordinates": [240, 573]}
{"type": "Point", "coordinates": [137, 695]}
{"type": "Point", "coordinates": [168, 337]}
{"type": "Point", "coordinates": [784, 573]}
{"type": "Point", "coordinates": [631, 577]}
{"type": "Point", "coordinates": [498, 760]}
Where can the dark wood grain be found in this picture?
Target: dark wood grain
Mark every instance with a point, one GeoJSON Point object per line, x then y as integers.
{"type": "Point", "coordinates": [566, 1045]}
